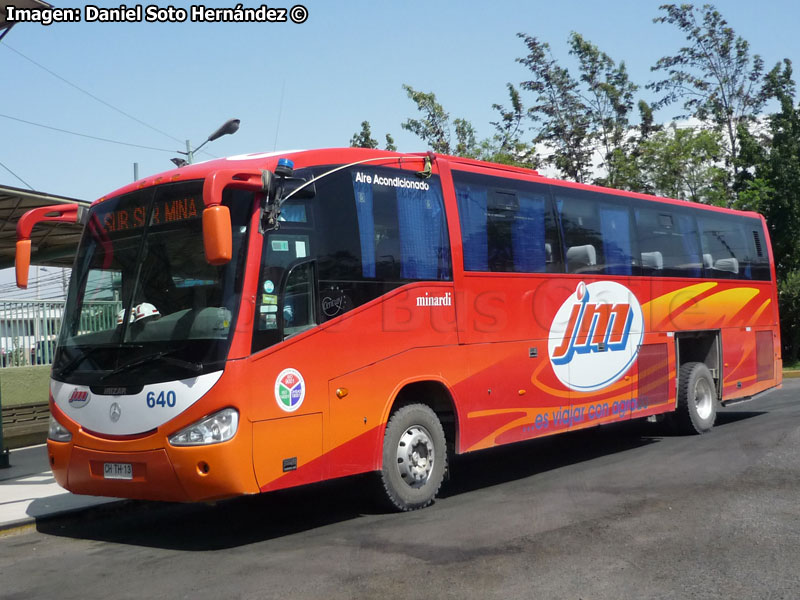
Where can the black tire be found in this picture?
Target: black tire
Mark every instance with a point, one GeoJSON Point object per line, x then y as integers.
{"type": "Point", "coordinates": [697, 399]}
{"type": "Point", "coordinates": [414, 439]}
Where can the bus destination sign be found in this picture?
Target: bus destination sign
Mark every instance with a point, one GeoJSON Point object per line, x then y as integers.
{"type": "Point", "coordinates": [164, 212]}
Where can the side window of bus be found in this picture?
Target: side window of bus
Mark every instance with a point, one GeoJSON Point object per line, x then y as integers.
{"type": "Point", "coordinates": [732, 247]}
{"type": "Point", "coordinates": [401, 225]}
{"type": "Point", "coordinates": [368, 230]}
{"type": "Point", "coordinates": [507, 225]}
{"type": "Point", "coordinates": [291, 242]}
{"type": "Point", "coordinates": [760, 266]}
{"type": "Point", "coordinates": [598, 236]}
{"type": "Point", "coordinates": [377, 229]}
{"type": "Point", "coordinates": [299, 302]}
{"type": "Point", "coordinates": [669, 243]}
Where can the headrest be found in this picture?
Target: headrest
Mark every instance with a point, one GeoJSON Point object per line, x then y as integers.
{"type": "Point", "coordinates": [581, 256]}
{"type": "Point", "coordinates": [727, 264]}
{"type": "Point", "coordinates": [653, 260]}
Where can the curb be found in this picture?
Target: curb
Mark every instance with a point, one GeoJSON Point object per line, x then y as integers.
{"type": "Point", "coordinates": [11, 527]}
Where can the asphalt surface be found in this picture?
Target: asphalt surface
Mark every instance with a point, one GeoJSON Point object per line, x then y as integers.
{"type": "Point", "coordinates": [29, 492]}
{"type": "Point", "coordinates": [616, 512]}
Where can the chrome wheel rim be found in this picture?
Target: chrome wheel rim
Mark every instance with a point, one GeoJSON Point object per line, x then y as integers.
{"type": "Point", "coordinates": [703, 398]}
{"type": "Point", "coordinates": [415, 456]}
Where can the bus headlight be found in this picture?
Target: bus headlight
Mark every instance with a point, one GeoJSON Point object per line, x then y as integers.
{"type": "Point", "coordinates": [216, 428]}
{"type": "Point", "coordinates": [57, 432]}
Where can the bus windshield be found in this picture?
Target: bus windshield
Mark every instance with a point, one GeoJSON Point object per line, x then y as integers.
{"type": "Point", "coordinates": [144, 305]}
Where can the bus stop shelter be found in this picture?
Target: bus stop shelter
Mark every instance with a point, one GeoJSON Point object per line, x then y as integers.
{"type": "Point", "coordinates": [52, 244]}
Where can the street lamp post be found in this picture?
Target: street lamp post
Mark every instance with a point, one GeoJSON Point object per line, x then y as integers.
{"type": "Point", "coordinates": [229, 127]}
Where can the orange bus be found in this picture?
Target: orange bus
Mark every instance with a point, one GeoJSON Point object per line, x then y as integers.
{"type": "Point", "coordinates": [280, 319]}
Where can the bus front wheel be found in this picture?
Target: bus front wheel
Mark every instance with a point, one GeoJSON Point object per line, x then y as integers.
{"type": "Point", "coordinates": [414, 457]}
{"type": "Point", "coordinates": [697, 399]}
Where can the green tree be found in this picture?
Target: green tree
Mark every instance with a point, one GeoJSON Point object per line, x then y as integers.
{"type": "Point", "coordinates": [682, 163]}
{"type": "Point", "coordinates": [714, 75]}
{"type": "Point", "coordinates": [628, 163]}
{"type": "Point", "coordinates": [768, 182]}
{"type": "Point", "coordinates": [363, 139]}
{"type": "Point", "coordinates": [435, 128]}
{"type": "Point", "coordinates": [17, 356]}
{"type": "Point", "coordinates": [608, 98]}
{"type": "Point", "coordinates": [585, 121]}
{"type": "Point", "coordinates": [506, 146]}
{"type": "Point", "coordinates": [771, 171]}
{"type": "Point", "coordinates": [466, 141]}
{"type": "Point", "coordinates": [558, 113]}
{"type": "Point", "coordinates": [789, 304]}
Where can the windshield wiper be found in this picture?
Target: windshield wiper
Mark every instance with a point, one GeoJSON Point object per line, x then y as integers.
{"type": "Point", "coordinates": [84, 355]}
{"type": "Point", "coordinates": [194, 367]}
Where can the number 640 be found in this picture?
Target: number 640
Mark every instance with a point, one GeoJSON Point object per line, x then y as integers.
{"type": "Point", "coordinates": [162, 399]}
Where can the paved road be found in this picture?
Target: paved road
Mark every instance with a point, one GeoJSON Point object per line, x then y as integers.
{"type": "Point", "coordinates": [616, 512]}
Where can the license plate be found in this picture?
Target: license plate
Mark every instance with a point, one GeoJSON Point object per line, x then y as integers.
{"type": "Point", "coordinates": [118, 470]}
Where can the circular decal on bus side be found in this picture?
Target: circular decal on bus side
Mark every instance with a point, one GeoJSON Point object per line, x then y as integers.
{"type": "Point", "coordinates": [290, 390]}
{"type": "Point", "coordinates": [595, 336]}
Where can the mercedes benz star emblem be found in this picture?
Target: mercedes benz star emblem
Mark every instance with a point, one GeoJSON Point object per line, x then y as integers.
{"type": "Point", "coordinates": [115, 413]}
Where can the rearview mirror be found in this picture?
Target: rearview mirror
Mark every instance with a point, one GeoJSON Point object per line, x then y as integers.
{"type": "Point", "coordinates": [217, 236]}
{"type": "Point", "coordinates": [60, 213]}
{"type": "Point", "coordinates": [22, 263]}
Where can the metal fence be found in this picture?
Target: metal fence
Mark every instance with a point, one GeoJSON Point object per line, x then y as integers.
{"type": "Point", "coordinates": [29, 328]}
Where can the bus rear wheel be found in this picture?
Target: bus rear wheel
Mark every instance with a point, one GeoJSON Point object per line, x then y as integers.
{"type": "Point", "coordinates": [697, 399]}
{"type": "Point", "coordinates": [414, 457]}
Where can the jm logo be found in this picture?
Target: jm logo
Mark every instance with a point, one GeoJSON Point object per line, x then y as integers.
{"type": "Point", "coordinates": [78, 398]}
{"type": "Point", "coordinates": [595, 335]}
{"type": "Point", "coordinates": [593, 328]}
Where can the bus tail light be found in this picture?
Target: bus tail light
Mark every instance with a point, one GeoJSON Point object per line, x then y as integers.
{"type": "Point", "coordinates": [213, 429]}
{"type": "Point", "coordinates": [57, 432]}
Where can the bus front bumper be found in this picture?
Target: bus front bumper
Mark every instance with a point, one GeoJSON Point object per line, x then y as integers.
{"type": "Point", "coordinates": [189, 474]}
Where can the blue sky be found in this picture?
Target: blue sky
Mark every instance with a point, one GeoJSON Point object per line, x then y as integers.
{"type": "Point", "coordinates": [301, 86]}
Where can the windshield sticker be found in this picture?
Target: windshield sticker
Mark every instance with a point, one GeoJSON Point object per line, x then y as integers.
{"type": "Point", "coordinates": [267, 321]}
{"type": "Point", "coordinates": [290, 390]}
{"type": "Point", "coordinates": [280, 245]}
{"type": "Point", "coordinates": [268, 299]}
{"type": "Point", "coordinates": [269, 287]}
{"type": "Point", "coordinates": [335, 302]}
{"type": "Point", "coordinates": [300, 249]}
